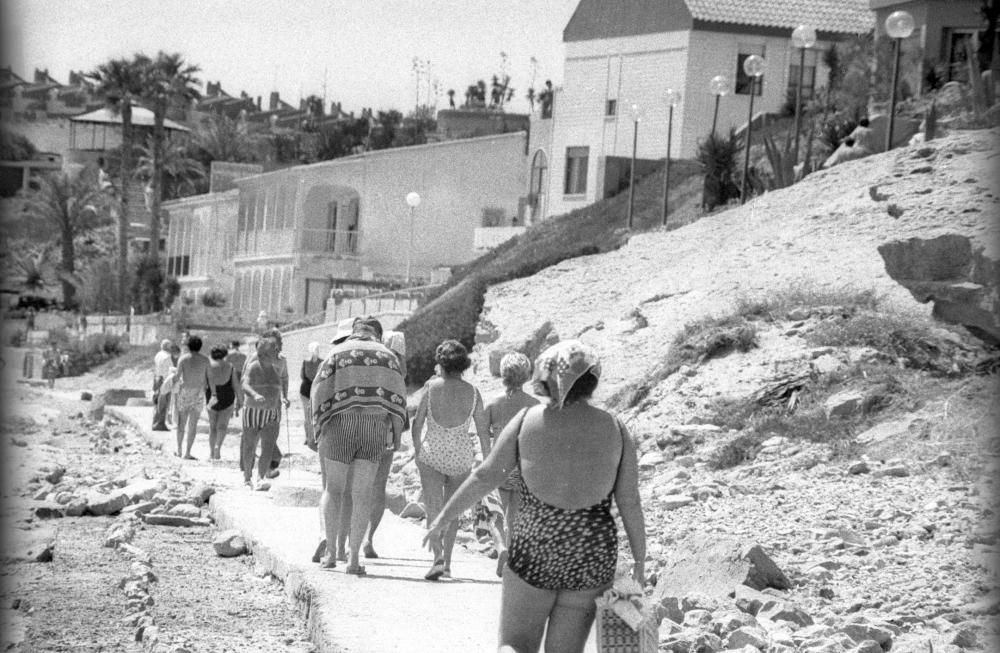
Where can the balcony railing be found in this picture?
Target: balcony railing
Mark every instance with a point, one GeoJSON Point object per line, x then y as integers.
{"type": "Point", "coordinates": [286, 241]}
{"type": "Point", "coordinates": [339, 241]}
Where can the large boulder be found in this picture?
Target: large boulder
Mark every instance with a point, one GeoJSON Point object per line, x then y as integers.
{"type": "Point", "coordinates": [959, 274]}
{"type": "Point", "coordinates": [541, 339]}
{"type": "Point", "coordinates": [716, 566]}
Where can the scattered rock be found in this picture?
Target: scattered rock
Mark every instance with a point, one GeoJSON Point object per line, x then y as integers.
{"type": "Point", "coordinates": [674, 501]}
{"type": "Point", "coordinates": [86, 396]}
{"type": "Point", "coordinates": [747, 636]}
{"type": "Point", "coordinates": [229, 543]}
{"type": "Point", "coordinates": [173, 520]}
{"type": "Point", "coordinates": [142, 490]}
{"type": "Point", "coordinates": [185, 510]}
{"type": "Point", "coordinates": [200, 494]}
{"type": "Point", "coordinates": [121, 532]}
{"type": "Point", "coordinates": [49, 510]}
{"type": "Point", "coordinates": [141, 508]}
{"type": "Point", "coordinates": [56, 475]}
{"type": "Point", "coordinates": [716, 567]}
{"type": "Point", "coordinates": [843, 404]}
{"type": "Point", "coordinates": [99, 503]}
{"type": "Point", "coordinates": [859, 467]}
{"type": "Point", "coordinates": [781, 611]}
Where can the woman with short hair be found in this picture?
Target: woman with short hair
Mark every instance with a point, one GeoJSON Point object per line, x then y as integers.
{"type": "Point", "coordinates": [574, 459]}
{"type": "Point", "coordinates": [445, 453]}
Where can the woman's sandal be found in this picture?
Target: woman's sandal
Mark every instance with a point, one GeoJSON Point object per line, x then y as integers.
{"type": "Point", "coordinates": [320, 550]}
{"type": "Point", "coordinates": [437, 570]}
{"type": "Point", "coordinates": [328, 562]}
{"type": "Point", "coordinates": [359, 570]}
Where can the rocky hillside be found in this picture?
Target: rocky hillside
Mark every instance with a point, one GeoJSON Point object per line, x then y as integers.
{"type": "Point", "coordinates": [818, 453]}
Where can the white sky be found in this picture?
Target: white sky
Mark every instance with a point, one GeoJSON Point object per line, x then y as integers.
{"type": "Point", "coordinates": [366, 47]}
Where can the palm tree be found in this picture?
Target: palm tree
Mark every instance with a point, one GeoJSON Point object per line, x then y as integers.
{"type": "Point", "coordinates": [168, 80]}
{"type": "Point", "coordinates": [120, 82]}
{"type": "Point", "coordinates": [181, 173]}
{"type": "Point", "coordinates": [221, 138]}
{"type": "Point", "coordinates": [73, 204]}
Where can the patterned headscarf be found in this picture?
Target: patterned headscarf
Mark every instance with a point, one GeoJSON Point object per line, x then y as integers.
{"type": "Point", "coordinates": [560, 366]}
{"type": "Point", "coordinates": [515, 368]}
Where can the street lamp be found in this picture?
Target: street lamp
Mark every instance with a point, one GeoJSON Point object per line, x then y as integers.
{"type": "Point", "coordinates": [803, 37]}
{"type": "Point", "coordinates": [719, 87]}
{"type": "Point", "coordinates": [899, 25]}
{"type": "Point", "coordinates": [633, 111]}
{"type": "Point", "coordinates": [413, 200]}
{"type": "Point", "coordinates": [673, 99]}
{"type": "Point", "coordinates": [753, 66]}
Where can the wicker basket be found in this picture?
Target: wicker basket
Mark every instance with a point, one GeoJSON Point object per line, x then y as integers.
{"type": "Point", "coordinates": [615, 636]}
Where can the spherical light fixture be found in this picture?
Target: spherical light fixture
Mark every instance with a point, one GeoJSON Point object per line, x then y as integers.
{"type": "Point", "coordinates": [719, 85]}
{"type": "Point", "coordinates": [899, 24]}
{"type": "Point", "coordinates": [753, 65]}
{"type": "Point", "coordinates": [804, 36]}
{"type": "Point", "coordinates": [413, 199]}
{"type": "Point", "coordinates": [672, 97]}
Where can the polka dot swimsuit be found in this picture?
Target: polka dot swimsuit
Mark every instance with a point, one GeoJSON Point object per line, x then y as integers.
{"type": "Point", "coordinates": [559, 549]}
{"type": "Point", "coordinates": [448, 449]}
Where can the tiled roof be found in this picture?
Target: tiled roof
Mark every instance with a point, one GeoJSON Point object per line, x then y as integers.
{"type": "Point", "coordinates": [842, 16]}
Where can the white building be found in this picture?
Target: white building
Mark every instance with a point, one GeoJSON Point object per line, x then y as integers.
{"type": "Point", "coordinates": [631, 51]}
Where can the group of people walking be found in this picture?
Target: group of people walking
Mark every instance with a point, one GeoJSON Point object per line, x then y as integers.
{"type": "Point", "coordinates": [186, 384]}
{"type": "Point", "coordinates": [549, 474]}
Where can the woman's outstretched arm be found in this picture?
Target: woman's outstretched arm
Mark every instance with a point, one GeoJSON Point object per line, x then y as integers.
{"type": "Point", "coordinates": [629, 506]}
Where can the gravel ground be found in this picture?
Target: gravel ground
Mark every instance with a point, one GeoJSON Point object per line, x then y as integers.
{"type": "Point", "coordinates": [201, 602]}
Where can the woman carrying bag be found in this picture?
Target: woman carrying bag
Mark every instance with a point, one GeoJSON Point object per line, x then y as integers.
{"type": "Point", "coordinates": [574, 459]}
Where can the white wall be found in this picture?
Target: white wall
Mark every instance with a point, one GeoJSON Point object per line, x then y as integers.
{"type": "Point", "coordinates": [715, 53]}
{"type": "Point", "coordinates": [636, 70]}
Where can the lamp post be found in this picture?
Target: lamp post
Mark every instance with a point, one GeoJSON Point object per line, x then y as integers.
{"type": "Point", "coordinates": [898, 26]}
{"type": "Point", "coordinates": [673, 98]}
{"type": "Point", "coordinates": [633, 111]}
{"type": "Point", "coordinates": [413, 200]}
{"type": "Point", "coordinates": [753, 66]}
{"type": "Point", "coordinates": [719, 87]}
{"type": "Point", "coordinates": [803, 37]}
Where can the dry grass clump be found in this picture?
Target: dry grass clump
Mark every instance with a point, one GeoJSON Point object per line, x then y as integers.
{"type": "Point", "coordinates": [778, 304]}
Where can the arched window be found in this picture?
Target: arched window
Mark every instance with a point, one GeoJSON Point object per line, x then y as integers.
{"type": "Point", "coordinates": [539, 178]}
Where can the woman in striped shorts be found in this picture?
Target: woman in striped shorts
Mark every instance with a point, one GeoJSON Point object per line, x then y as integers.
{"type": "Point", "coordinates": [262, 389]}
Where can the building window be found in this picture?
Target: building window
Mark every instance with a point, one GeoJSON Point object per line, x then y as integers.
{"type": "Point", "coordinates": [539, 168]}
{"type": "Point", "coordinates": [576, 170]}
{"type": "Point", "coordinates": [742, 79]}
{"type": "Point", "coordinates": [611, 108]}
{"type": "Point", "coordinates": [178, 266]}
{"type": "Point", "coordinates": [808, 76]}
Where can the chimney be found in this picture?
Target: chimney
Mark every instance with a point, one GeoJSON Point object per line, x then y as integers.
{"type": "Point", "coordinates": [41, 76]}
{"type": "Point", "coordinates": [302, 104]}
{"type": "Point", "coordinates": [75, 78]}
{"type": "Point", "coordinates": [213, 88]}
{"type": "Point", "coordinates": [272, 105]}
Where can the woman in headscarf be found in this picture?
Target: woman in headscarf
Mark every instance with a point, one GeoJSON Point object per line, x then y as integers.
{"type": "Point", "coordinates": [359, 405]}
{"type": "Point", "coordinates": [574, 459]}
{"type": "Point", "coordinates": [515, 370]}
{"type": "Point", "coordinates": [445, 453]}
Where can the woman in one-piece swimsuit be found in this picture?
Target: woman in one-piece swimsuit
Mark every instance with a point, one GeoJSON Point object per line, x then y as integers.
{"type": "Point", "coordinates": [224, 397]}
{"type": "Point", "coordinates": [574, 459]}
{"type": "Point", "coordinates": [445, 454]}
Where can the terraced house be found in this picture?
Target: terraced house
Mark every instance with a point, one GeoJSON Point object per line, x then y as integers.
{"type": "Point", "coordinates": [280, 241]}
{"type": "Point", "coordinates": [620, 54]}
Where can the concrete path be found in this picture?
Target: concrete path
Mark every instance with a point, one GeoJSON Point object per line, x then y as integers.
{"type": "Point", "coordinates": [391, 609]}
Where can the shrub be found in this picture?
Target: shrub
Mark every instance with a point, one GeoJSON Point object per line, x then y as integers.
{"type": "Point", "coordinates": [171, 288]}
{"type": "Point", "coordinates": [213, 299]}
{"type": "Point", "coordinates": [776, 305]}
{"type": "Point", "coordinates": [92, 350]}
{"type": "Point", "coordinates": [717, 156]}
